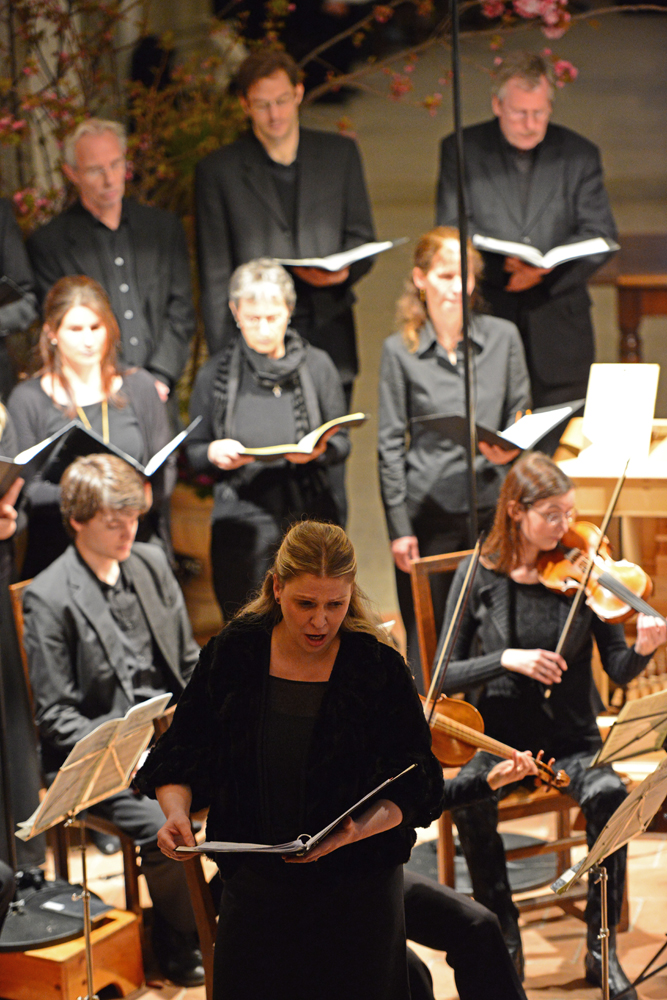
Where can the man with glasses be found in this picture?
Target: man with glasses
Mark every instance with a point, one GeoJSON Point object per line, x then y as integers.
{"type": "Point", "coordinates": [138, 254]}
{"type": "Point", "coordinates": [289, 192]}
{"type": "Point", "coordinates": [541, 184]}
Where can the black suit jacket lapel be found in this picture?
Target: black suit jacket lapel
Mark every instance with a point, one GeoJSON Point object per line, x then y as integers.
{"type": "Point", "coordinates": [90, 602]}
{"type": "Point", "coordinates": [501, 178]}
{"type": "Point", "coordinates": [311, 178]}
{"type": "Point", "coordinates": [144, 588]}
{"type": "Point", "coordinates": [145, 241]}
{"type": "Point", "coordinates": [547, 178]}
{"type": "Point", "coordinates": [258, 179]}
{"type": "Point", "coordinates": [82, 249]}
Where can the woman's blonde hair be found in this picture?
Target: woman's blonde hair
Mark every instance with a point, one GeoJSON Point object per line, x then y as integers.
{"type": "Point", "coordinates": [411, 311]}
{"type": "Point", "coordinates": [323, 550]}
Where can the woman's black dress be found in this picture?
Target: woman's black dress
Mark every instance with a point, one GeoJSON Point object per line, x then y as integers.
{"type": "Point", "coordinates": [333, 928]}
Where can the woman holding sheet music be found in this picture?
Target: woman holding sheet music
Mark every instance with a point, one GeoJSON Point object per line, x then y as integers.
{"type": "Point", "coordinates": [80, 380]}
{"type": "Point", "coordinates": [298, 709]}
{"type": "Point", "coordinates": [268, 387]}
{"type": "Point", "coordinates": [423, 483]}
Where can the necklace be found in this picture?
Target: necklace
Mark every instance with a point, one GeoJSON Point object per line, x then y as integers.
{"type": "Point", "coordinates": [105, 420]}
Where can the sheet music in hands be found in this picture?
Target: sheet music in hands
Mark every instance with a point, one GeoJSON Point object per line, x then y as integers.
{"type": "Point", "coordinates": [338, 261]}
{"type": "Point", "coordinates": [303, 843]}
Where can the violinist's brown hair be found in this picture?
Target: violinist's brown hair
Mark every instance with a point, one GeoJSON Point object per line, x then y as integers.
{"type": "Point", "coordinates": [70, 291]}
{"type": "Point", "coordinates": [323, 550]}
{"type": "Point", "coordinates": [534, 477]}
{"type": "Point", "coordinates": [411, 313]}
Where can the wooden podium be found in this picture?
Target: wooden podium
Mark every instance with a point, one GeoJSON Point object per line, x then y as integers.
{"type": "Point", "coordinates": [59, 971]}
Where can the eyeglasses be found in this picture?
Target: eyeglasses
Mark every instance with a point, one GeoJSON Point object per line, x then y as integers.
{"type": "Point", "coordinates": [554, 517]}
{"type": "Point", "coordinates": [280, 102]}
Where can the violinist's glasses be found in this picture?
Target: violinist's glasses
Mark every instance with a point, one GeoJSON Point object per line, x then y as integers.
{"type": "Point", "coordinates": [555, 517]}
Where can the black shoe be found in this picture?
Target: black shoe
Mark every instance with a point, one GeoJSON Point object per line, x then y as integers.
{"type": "Point", "coordinates": [512, 936]}
{"type": "Point", "coordinates": [619, 984]}
{"type": "Point", "coordinates": [106, 843]}
{"type": "Point", "coordinates": [177, 955]}
{"type": "Point", "coordinates": [516, 954]}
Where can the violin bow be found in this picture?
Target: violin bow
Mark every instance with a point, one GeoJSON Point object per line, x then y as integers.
{"type": "Point", "coordinates": [438, 678]}
{"type": "Point", "coordinates": [578, 597]}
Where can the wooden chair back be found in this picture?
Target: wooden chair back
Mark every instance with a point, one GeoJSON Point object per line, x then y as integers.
{"type": "Point", "coordinates": [16, 591]}
{"type": "Point", "coordinates": [428, 630]}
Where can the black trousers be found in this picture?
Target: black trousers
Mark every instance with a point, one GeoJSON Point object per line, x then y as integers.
{"type": "Point", "coordinates": [598, 791]}
{"type": "Point", "coordinates": [435, 534]}
{"type": "Point", "coordinates": [141, 818]}
{"type": "Point", "coordinates": [445, 920]}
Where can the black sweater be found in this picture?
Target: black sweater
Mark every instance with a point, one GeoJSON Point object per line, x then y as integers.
{"type": "Point", "coordinates": [370, 727]}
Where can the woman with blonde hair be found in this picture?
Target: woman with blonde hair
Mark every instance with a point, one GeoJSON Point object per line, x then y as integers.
{"type": "Point", "coordinates": [80, 379]}
{"type": "Point", "coordinates": [423, 475]}
{"type": "Point", "coordinates": [296, 710]}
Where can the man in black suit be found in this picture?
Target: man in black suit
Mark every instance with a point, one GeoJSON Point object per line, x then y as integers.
{"type": "Point", "coordinates": [106, 628]}
{"type": "Point", "coordinates": [138, 254]}
{"type": "Point", "coordinates": [533, 182]}
{"type": "Point", "coordinates": [283, 191]}
{"type": "Point", "coordinates": [20, 308]}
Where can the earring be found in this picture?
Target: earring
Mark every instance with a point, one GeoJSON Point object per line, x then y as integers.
{"type": "Point", "coordinates": [54, 343]}
{"type": "Point", "coordinates": [422, 295]}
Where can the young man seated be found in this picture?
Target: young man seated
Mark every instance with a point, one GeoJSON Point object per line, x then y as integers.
{"type": "Point", "coordinates": [105, 628]}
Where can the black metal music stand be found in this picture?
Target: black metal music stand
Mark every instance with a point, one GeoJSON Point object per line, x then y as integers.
{"type": "Point", "coordinates": [630, 819]}
{"type": "Point", "coordinates": [99, 765]}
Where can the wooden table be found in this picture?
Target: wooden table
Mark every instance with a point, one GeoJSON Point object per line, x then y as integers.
{"type": "Point", "coordinates": [639, 272]}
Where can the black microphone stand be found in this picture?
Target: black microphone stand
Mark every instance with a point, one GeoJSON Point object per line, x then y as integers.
{"type": "Point", "coordinates": [471, 437]}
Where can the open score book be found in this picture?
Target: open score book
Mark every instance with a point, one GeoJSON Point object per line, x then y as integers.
{"type": "Point", "coordinates": [303, 843]}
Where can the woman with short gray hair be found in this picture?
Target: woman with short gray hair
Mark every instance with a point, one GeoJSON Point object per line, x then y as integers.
{"type": "Point", "coordinates": [268, 387]}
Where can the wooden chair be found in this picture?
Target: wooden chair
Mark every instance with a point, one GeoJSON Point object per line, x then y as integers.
{"type": "Point", "coordinates": [59, 841]}
{"type": "Point", "coordinates": [199, 889]}
{"type": "Point", "coordinates": [517, 804]}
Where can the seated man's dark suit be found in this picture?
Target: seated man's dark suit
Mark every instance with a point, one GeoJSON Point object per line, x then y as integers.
{"type": "Point", "coordinates": [564, 201]}
{"type": "Point", "coordinates": [14, 264]}
{"type": "Point", "coordinates": [80, 679]}
{"type": "Point", "coordinates": [240, 216]}
{"type": "Point", "coordinates": [145, 270]}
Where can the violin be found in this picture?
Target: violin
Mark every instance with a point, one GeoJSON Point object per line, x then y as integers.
{"type": "Point", "coordinates": [457, 732]}
{"type": "Point", "coordinates": [615, 589]}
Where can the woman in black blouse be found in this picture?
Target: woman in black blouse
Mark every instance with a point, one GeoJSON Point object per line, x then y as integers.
{"type": "Point", "coordinates": [422, 472]}
{"type": "Point", "coordinates": [505, 653]}
{"type": "Point", "coordinates": [80, 379]}
{"type": "Point", "coordinates": [268, 387]}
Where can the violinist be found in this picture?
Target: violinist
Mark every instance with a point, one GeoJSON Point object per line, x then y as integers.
{"type": "Point", "coordinates": [531, 696]}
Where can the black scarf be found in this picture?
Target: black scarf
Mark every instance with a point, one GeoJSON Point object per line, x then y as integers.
{"type": "Point", "coordinates": [278, 374]}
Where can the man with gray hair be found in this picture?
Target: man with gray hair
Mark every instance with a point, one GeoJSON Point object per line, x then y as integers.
{"type": "Point", "coordinates": [138, 254]}
{"type": "Point", "coordinates": [532, 182]}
